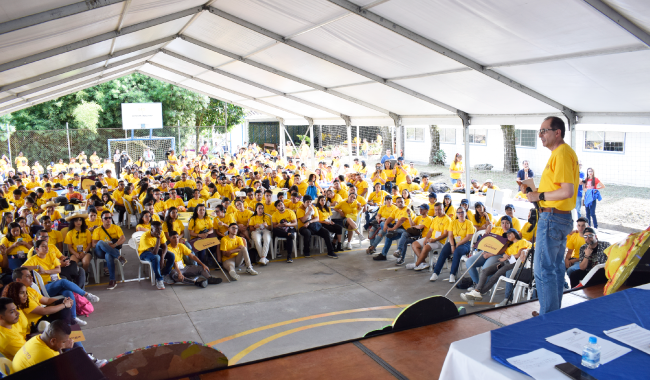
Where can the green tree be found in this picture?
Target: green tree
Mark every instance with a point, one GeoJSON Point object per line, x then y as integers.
{"type": "Point", "coordinates": [86, 115]}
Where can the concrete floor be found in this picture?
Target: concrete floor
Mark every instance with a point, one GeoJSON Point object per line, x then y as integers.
{"type": "Point", "coordinates": [311, 302]}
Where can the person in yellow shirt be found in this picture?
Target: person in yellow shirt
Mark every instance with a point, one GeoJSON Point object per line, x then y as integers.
{"type": "Point", "coordinates": [111, 181]}
{"type": "Point", "coordinates": [60, 179]}
{"type": "Point", "coordinates": [361, 185]}
{"type": "Point", "coordinates": [49, 344]}
{"type": "Point", "coordinates": [174, 201]}
{"type": "Point", "coordinates": [401, 221]}
{"type": "Point", "coordinates": [50, 212]}
{"type": "Point", "coordinates": [376, 232]}
{"type": "Point", "coordinates": [198, 274]}
{"type": "Point", "coordinates": [260, 226]}
{"type": "Point", "coordinates": [489, 184]}
{"type": "Point", "coordinates": [481, 218]}
{"type": "Point", "coordinates": [242, 215]}
{"type": "Point", "coordinates": [294, 202]}
{"type": "Point", "coordinates": [233, 252]}
{"type": "Point", "coordinates": [284, 226]}
{"type": "Point", "coordinates": [378, 176]}
{"type": "Point", "coordinates": [447, 207]}
{"type": "Point", "coordinates": [574, 241]}
{"type": "Point", "coordinates": [269, 205]}
{"type": "Point", "coordinates": [376, 198]}
{"type": "Point", "coordinates": [409, 185]}
{"type": "Point", "coordinates": [510, 211]}
{"type": "Point", "coordinates": [16, 243]}
{"type": "Point", "coordinates": [435, 238]}
{"type": "Point", "coordinates": [420, 223]}
{"type": "Point", "coordinates": [309, 225]}
{"type": "Point", "coordinates": [79, 240]}
{"type": "Point", "coordinates": [325, 219]}
{"type": "Point", "coordinates": [456, 169]}
{"type": "Point", "coordinates": [529, 230]}
{"type": "Point", "coordinates": [106, 238]}
{"type": "Point", "coordinates": [459, 237]}
{"type": "Point", "coordinates": [196, 200]}
{"type": "Point", "coordinates": [485, 260]}
{"type": "Point", "coordinates": [302, 185]}
{"type": "Point", "coordinates": [350, 209]}
{"type": "Point", "coordinates": [152, 248]}
{"type": "Point", "coordinates": [144, 223]}
{"type": "Point", "coordinates": [12, 336]}
{"type": "Point", "coordinates": [339, 189]}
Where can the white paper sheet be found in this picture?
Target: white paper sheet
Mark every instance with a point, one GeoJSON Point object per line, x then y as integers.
{"type": "Point", "coordinates": [575, 340]}
{"type": "Point", "coordinates": [632, 335]}
{"type": "Point", "coordinates": [539, 364]}
{"type": "Point", "coordinates": [530, 182]}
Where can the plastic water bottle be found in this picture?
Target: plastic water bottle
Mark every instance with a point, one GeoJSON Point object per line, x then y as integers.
{"type": "Point", "coordinates": [591, 354]}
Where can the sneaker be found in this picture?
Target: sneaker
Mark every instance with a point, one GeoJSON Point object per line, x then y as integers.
{"type": "Point", "coordinates": [80, 322]}
{"type": "Point", "coordinates": [471, 288]}
{"type": "Point", "coordinates": [289, 260]}
{"type": "Point", "coordinates": [422, 266]}
{"type": "Point", "coordinates": [397, 254]}
{"type": "Point", "coordinates": [307, 254]}
{"type": "Point", "coordinates": [400, 261]}
{"type": "Point", "coordinates": [233, 275]}
{"type": "Point", "coordinates": [251, 271]}
{"type": "Point", "coordinates": [91, 297]}
{"type": "Point", "coordinates": [346, 245]}
{"type": "Point", "coordinates": [214, 280]}
{"type": "Point", "coordinates": [264, 261]}
{"type": "Point", "coordinates": [122, 260]}
{"type": "Point", "coordinates": [99, 363]}
{"type": "Point", "coordinates": [201, 282]}
{"type": "Point", "coordinates": [160, 285]}
{"type": "Point", "coordinates": [337, 247]}
{"type": "Point", "coordinates": [452, 278]}
{"type": "Point", "coordinates": [333, 256]}
{"type": "Point", "coordinates": [278, 254]}
{"type": "Point", "coordinates": [111, 284]}
{"type": "Point", "coordinates": [410, 266]}
{"type": "Point", "coordinates": [474, 295]}
{"type": "Point", "coordinates": [379, 257]}
{"type": "Point", "coordinates": [502, 303]}
{"type": "Point", "coordinates": [362, 238]}
{"type": "Point", "coordinates": [168, 280]}
{"type": "Point", "coordinates": [87, 278]}
{"type": "Point", "coordinates": [434, 277]}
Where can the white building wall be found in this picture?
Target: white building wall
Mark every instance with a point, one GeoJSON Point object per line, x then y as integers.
{"type": "Point", "coordinates": [631, 167]}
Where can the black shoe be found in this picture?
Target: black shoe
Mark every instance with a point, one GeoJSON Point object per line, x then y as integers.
{"type": "Point", "coordinates": [379, 257]}
{"type": "Point", "coordinates": [332, 255]}
{"type": "Point", "coordinates": [214, 280]}
{"type": "Point", "coordinates": [307, 254]}
{"type": "Point", "coordinates": [202, 282]}
{"type": "Point", "coordinates": [289, 260]}
{"type": "Point", "coordinates": [339, 247]}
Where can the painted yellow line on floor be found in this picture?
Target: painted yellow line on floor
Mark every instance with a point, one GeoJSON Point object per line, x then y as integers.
{"type": "Point", "coordinates": [284, 323]}
{"type": "Point", "coordinates": [262, 342]}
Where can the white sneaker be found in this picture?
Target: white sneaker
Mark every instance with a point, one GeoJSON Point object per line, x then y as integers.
{"type": "Point", "coordinates": [422, 266]}
{"type": "Point", "coordinates": [99, 363]}
{"type": "Point", "coordinates": [251, 271]}
{"type": "Point", "coordinates": [502, 303]}
{"type": "Point", "coordinates": [233, 275]}
{"type": "Point", "coordinates": [410, 266]}
{"type": "Point", "coordinates": [346, 245]}
{"type": "Point", "coordinates": [452, 278]}
{"type": "Point", "coordinates": [434, 277]}
{"type": "Point", "coordinates": [264, 261]}
{"type": "Point", "coordinates": [475, 295]}
{"type": "Point", "coordinates": [91, 297]}
{"type": "Point", "coordinates": [160, 285]}
{"type": "Point", "coordinates": [362, 238]}
{"type": "Point", "coordinates": [80, 322]}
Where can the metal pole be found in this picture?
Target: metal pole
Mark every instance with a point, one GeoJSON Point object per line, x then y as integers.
{"type": "Point", "coordinates": [311, 142]}
{"type": "Point", "coordinates": [282, 151]}
{"type": "Point", "coordinates": [358, 141]}
{"type": "Point", "coordinates": [392, 139]}
{"type": "Point", "coordinates": [67, 132]}
{"type": "Point", "coordinates": [465, 118]}
{"type": "Point", "coordinates": [348, 127]}
{"type": "Point", "coordinates": [9, 145]}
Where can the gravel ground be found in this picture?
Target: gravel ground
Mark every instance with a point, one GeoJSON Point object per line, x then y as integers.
{"type": "Point", "coordinates": [622, 206]}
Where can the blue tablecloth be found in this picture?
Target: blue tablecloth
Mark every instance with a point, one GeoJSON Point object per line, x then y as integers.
{"type": "Point", "coordinates": [593, 317]}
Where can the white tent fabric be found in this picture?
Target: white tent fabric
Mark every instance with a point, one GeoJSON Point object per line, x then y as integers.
{"type": "Point", "coordinates": [380, 62]}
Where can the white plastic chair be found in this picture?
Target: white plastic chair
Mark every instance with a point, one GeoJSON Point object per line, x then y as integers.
{"type": "Point", "coordinates": [129, 213]}
{"type": "Point", "coordinates": [212, 204]}
{"type": "Point", "coordinates": [589, 275]}
{"type": "Point", "coordinates": [463, 260]}
{"type": "Point", "coordinates": [134, 242]}
{"type": "Point", "coordinates": [276, 245]}
{"type": "Point", "coordinates": [118, 266]}
{"type": "Point", "coordinates": [38, 281]}
{"type": "Point", "coordinates": [138, 207]}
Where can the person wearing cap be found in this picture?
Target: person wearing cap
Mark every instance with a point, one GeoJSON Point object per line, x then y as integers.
{"type": "Point", "coordinates": [71, 194]}
{"type": "Point", "coordinates": [510, 211]}
{"type": "Point", "coordinates": [376, 232]}
{"type": "Point", "coordinates": [574, 241]}
{"type": "Point", "coordinates": [434, 239]}
{"type": "Point", "coordinates": [464, 203]}
{"type": "Point", "coordinates": [459, 236]}
{"type": "Point", "coordinates": [421, 222]}
{"type": "Point", "coordinates": [556, 195]}
{"type": "Point", "coordinates": [592, 253]}
{"type": "Point", "coordinates": [516, 247]}
{"type": "Point", "coordinates": [433, 199]}
{"type": "Point", "coordinates": [489, 184]}
{"type": "Point", "coordinates": [78, 239]}
{"type": "Point", "coordinates": [448, 208]}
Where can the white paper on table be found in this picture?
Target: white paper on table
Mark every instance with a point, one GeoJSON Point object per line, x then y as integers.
{"type": "Point", "coordinates": [575, 340]}
{"type": "Point", "coordinates": [539, 364]}
{"type": "Point", "coordinates": [632, 335]}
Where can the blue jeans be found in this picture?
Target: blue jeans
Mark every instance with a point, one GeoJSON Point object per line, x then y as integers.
{"type": "Point", "coordinates": [446, 252]}
{"type": "Point", "coordinates": [155, 263]}
{"type": "Point", "coordinates": [377, 239]}
{"type": "Point", "coordinates": [389, 241]}
{"type": "Point", "coordinates": [578, 204]}
{"type": "Point", "coordinates": [65, 288]}
{"type": "Point", "coordinates": [591, 214]}
{"type": "Point", "coordinates": [552, 230]}
{"type": "Point", "coordinates": [103, 249]}
{"type": "Point", "coordinates": [573, 268]}
{"type": "Point", "coordinates": [403, 242]}
{"type": "Point", "coordinates": [480, 263]}
{"type": "Point", "coordinates": [453, 181]}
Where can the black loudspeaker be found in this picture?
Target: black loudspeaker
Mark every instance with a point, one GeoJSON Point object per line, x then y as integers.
{"type": "Point", "coordinates": [71, 365]}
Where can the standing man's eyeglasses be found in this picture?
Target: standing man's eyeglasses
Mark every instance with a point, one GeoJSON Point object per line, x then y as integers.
{"type": "Point", "coordinates": [543, 130]}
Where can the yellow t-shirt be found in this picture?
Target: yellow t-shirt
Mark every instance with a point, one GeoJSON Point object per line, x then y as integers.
{"type": "Point", "coordinates": [227, 219]}
{"type": "Point", "coordinates": [169, 203]}
{"type": "Point", "coordinates": [257, 219]}
{"type": "Point", "coordinates": [56, 237]}
{"type": "Point", "coordinates": [197, 225]}
{"type": "Point", "coordinates": [189, 183]}
{"type": "Point", "coordinates": [410, 187]}
{"type": "Point", "coordinates": [227, 244]}
{"type": "Point", "coordinates": [461, 230]}
{"type": "Point", "coordinates": [180, 251]}
{"type": "Point", "coordinates": [336, 199]}
{"type": "Point", "coordinates": [55, 215]}
{"type": "Point", "coordinates": [375, 179]}
{"type": "Point", "coordinates": [302, 187]}
{"type": "Point", "coordinates": [351, 209]}
{"type": "Point", "coordinates": [111, 182]}
{"type": "Point", "coordinates": [18, 249]}
{"type": "Point", "coordinates": [292, 206]}
{"type": "Point", "coordinates": [343, 193]}
{"type": "Point", "coordinates": [399, 214]}
{"type": "Point", "coordinates": [456, 167]}
{"type": "Point", "coordinates": [562, 167]}
{"type": "Point", "coordinates": [301, 212]}
{"type": "Point", "coordinates": [114, 231]}
{"type": "Point", "coordinates": [11, 341]}
{"type": "Point", "coordinates": [476, 224]}
{"type": "Point", "coordinates": [147, 242]}
{"type": "Point", "coordinates": [96, 223]}
{"type": "Point", "coordinates": [177, 226]}
{"type": "Point", "coordinates": [515, 247]}
{"type": "Point", "coordinates": [574, 241]}
{"type": "Point", "coordinates": [195, 202]}
{"type": "Point", "coordinates": [529, 235]}
{"type": "Point", "coordinates": [516, 224]}
{"type": "Point", "coordinates": [78, 239]}
{"type": "Point", "coordinates": [48, 263]}
{"type": "Point", "coordinates": [389, 174]}
{"type": "Point", "coordinates": [361, 185]}
{"type": "Point", "coordinates": [426, 220]}
{"type": "Point", "coordinates": [145, 226]}
{"type": "Point", "coordinates": [269, 208]}
{"type": "Point", "coordinates": [377, 197]}
{"type": "Point", "coordinates": [32, 353]}
{"type": "Point", "coordinates": [288, 215]}
{"type": "Point", "coordinates": [34, 302]}
{"type": "Point", "coordinates": [440, 226]}
{"type": "Point", "coordinates": [386, 211]}
{"type": "Point", "coordinates": [450, 211]}
{"type": "Point", "coordinates": [242, 217]}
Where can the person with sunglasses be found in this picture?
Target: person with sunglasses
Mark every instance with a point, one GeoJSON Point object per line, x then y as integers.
{"type": "Point", "coordinates": [556, 195]}
{"type": "Point", "coordinates": [106, 239]}
{"type": "Point", "coordinates": [592, 253]}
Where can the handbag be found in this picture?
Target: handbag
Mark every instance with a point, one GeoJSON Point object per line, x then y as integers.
{"type": "Point", "coordinates": [315, 227]}
{"type": "Point", "coordinates": [118, 247]}
{"type": "Point", "coordinates": [414, 232]}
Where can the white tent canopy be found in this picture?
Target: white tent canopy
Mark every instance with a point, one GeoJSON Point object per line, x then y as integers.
{"type": "Point", "coordinates": [360, 62]}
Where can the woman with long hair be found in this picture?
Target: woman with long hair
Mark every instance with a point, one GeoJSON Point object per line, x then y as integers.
{"type": "Point", "coordinates": [407, 197]}
{"type": "Point", "coordinates": [16, 245]}
{"type": "Point", "coordinates": [172, 223]}
{"type": "Point", "coordinates": [448, 208]}
{"type": "Point", "coordinates": [325, 219]}
{"type": "Point", "coordinates": [18, 293]}
{"type": "Point", "coordinates": [200, 227]}
{"type": "Point", "coordinates": [144, 223]}
{"type": "Point", "coordinates": [108, 201]}
{"type": "Point", "coordinates": [78, 239]}
{"type": "Point", "coordinates": [456, 169]}
{"type": "Point", "coordinates": [482, 218]}
{"type": "Point", "coordinates": [592, 186]}
{"type": "Point", "coordinates": [363, 169]}
{"type": "Point", "coordinates": [260, 227]}
{"type": "Point", "coordinates": [7, 219]}
{"type": "Point", "coordinates": [390, 175]}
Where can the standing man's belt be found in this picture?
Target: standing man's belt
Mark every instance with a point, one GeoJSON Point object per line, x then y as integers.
{"type": "Point", "coordinates": [553, 210]}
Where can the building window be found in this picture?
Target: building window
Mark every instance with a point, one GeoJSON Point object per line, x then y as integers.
{"type": "Point", "coordinates": [447, 136]}
{"type": "Point", "coordinates": [415, 134]}
{"type": "Point", "coordinates": [526, 138]}
{"type": "Point", "coordinates": [605, 141]}
{"type": "Point", "coordinates": [478, 136]}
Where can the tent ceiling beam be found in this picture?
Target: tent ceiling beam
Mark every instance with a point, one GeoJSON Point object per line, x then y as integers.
{"type": "Point", "coordinates": [621, 20]}
{"type": "Point", "coordinates": [381, 21]}
{"type": "Point", "coordinates": [249, 82]}
{"type": "Point", "coordinates": [120, 23]}
{"type": "Point", "coordinates": [83, 64]}
{"type": "Point", "coordinates": [328, 58]}
{"type": "Point", "coordinates": [283, 74]}
{"type": "Point", "coordinates": [207, 83]}
{"type": "Point", "coordinates": [54, 14]}
{"type": "Point", "coordinates": [96, 39]}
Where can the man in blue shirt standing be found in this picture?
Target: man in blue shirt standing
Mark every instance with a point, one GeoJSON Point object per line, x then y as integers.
{"type": "Point", "coordinates": [579, 198]}
{"type": "Point", "coordinates": [387, 157]}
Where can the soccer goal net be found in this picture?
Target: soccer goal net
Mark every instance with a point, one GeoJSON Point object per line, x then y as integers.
{"type": "Point", "coordinates": [136, 147]}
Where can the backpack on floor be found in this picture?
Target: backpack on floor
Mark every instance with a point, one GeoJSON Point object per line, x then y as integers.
{"type": "Point", "coordinates": [465, 283]}
{"type": "Point", "coordinates": [84, 307]}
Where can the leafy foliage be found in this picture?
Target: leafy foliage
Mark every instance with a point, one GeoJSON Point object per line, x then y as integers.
{"type": "Point", "coordinates": [86, 115]}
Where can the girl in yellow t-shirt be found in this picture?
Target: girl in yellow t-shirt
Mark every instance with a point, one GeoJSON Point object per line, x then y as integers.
{"type": "Point", "coordinates": [144, 223]}
{"type": "Point", "coordinates": [456, 169]}
{"type": "Point", "coordinates": [16, 244]}
{"type": "Point", "coordinates": [325, 219]}
{"type": "Point", "coordinates": [376, 198]}
{"type": "Point", "coordinates": [447, 207]}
